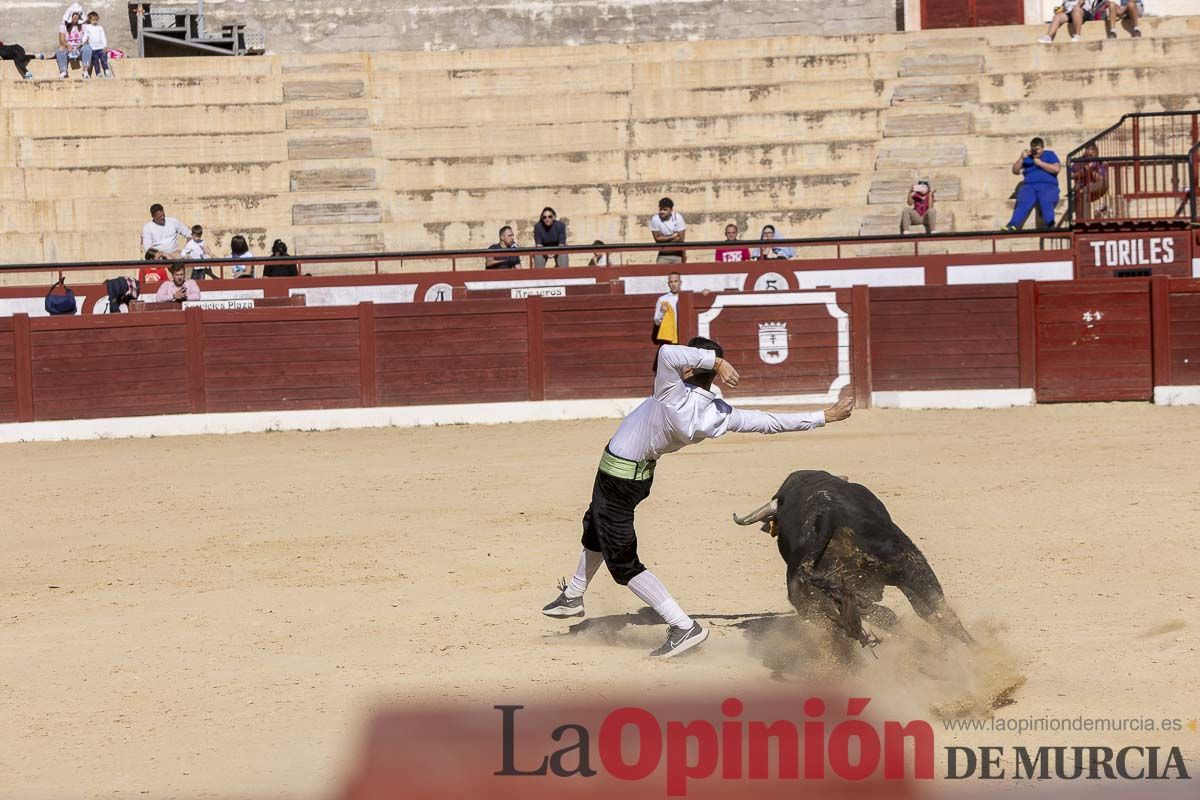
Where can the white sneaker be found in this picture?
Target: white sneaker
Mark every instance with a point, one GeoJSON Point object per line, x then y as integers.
{"type": "Point", "coordinates": [1046, 40]}
{"type": "Point", "coordinates": [86, 76]}
{"type": "Point", "coordinates": [62, 74]}
{"type": "Point", "coordinates": [28, 76]}
{"type": "Point", "coordinates": [108, 73]}
{"type": "Point", "coordinates": [1077, 38]}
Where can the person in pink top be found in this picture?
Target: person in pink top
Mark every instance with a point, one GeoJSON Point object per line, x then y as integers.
{"type": "Point", "coordinates": [732, 254]}
{"type": "Point", "coordinates": [920, 208]}
{"type": "Point", "coordinates": [179, 288]}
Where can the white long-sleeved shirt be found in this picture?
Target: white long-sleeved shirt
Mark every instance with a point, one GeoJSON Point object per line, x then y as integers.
{"type": "Point", "coordinates": [680, 414]}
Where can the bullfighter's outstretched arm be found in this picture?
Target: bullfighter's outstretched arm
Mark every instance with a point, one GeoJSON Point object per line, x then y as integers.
{"type": "Point", "coordinates": [748, 421]}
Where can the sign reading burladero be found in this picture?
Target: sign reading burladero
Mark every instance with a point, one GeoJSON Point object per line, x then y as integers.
{"type": "Point", "coordinates": [633, 744]}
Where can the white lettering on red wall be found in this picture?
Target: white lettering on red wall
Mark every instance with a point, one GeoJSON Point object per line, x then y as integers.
{"type": "Point", "coordinates": [1134, 252]}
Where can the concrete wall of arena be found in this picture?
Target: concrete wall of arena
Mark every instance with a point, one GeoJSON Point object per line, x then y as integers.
{"type": "Point", "coordinates": [297, 26]}
{"type": "Point", "coordinates": [365, 151]}
{"type": "Point", "coordinates": [999, 344]}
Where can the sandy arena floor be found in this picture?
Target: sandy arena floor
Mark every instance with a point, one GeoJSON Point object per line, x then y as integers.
{"type": "Point", "coordinates": [217, 616]}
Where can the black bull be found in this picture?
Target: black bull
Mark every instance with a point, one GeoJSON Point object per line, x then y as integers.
{"type": "Point", "coordinates": [841, 548]}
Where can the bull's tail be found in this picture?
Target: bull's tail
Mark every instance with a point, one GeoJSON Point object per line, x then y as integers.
{"type": "Point", "coordinates": [846, 613]}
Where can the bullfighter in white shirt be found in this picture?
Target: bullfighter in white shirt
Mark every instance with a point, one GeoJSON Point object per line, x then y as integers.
{"type": "Point", "coordinates": [682, 411]}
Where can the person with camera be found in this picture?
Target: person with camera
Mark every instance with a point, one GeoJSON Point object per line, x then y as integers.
{"type": "Point", "coordinates": [1040, 168]}
{"type": "Point", "coordinates": [920, 208]}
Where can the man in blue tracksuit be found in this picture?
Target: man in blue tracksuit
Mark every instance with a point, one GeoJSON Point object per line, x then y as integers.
{"type": "Point", "coordinates": [1040, 167]}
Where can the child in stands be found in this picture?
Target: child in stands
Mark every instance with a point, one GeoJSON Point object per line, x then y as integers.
{"type": "Point", "coordinates": [95, 48]}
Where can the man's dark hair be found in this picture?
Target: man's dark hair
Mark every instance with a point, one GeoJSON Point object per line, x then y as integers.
{"type": "Point", "coordinates": [154, 209]}
{"type": "Point", "coordinates": [706, 344]}
{"type": "Point", "coordinates": [177, 266]}
{"type": "Point", "coordinates": [666, 202]}
{"type": "Point", "coordinates": [197, 230]}
{"type": "Point", "coordinates": [505, 228]}
{"type": "Point", "coordinates": [1037, 142]}
{"type": "Point", "coordinates": [597, 242]}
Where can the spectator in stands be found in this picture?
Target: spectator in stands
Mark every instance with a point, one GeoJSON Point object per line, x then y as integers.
{"type": "Point", "coordinates": [599, 257]}
{"type": "Point", "coordinates": [179, 288]}
{"type": "Point", "coordinates": [668, 225]}
{"type": "Point", "coordinates": [508, 241]}
{"type": "Point", "coordinates": [1090, 179]}
{"type": "Point", "coordinates": [196, 249]}
{"type": "Point", "coordinates": [666, 314]}
{"type": "Point", "coordinates": [279, 250]}
{"type": "Point", "coordinates": [70, 40]}
{"type": "Point", "coordinates": [16, 54]}
{"type": "Point", "coordinates": [121, 292]}
{"type": "Point", "coordinates": [550, 231]}
{"type": "Point", "coordinates": [1073, 13]}
{"type": "Point", "coordinates": [1040, 168]}
{"type": "Point", "coordinates": [156, 272]}
{"type": "Point", "coordinates": [771, 253]}
{"type": "Point", "coordinates": [95, 48]}
{"type": "Point", "coordinates": [239, 249]}
{"type": "Point", "coordinates": [728, 254]}
{"type": "Point", "coordinates": [162, 233]}
{"type": "Point", "coordinates": [1127, 11]}
{"type": "Point", "coordinates": [920, 208]}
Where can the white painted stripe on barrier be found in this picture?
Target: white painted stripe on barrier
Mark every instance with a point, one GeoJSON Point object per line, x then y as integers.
{"type": "Point", "coordinates": [316, 420]}
{"type": "Point", "coordinates": [954, 398]}
{"type": "Point", "coordinates": [1177, 395]}
{"type": "Point", "coordinates": [1010, 273]}
{"type": "Point", "coordinates": [657, 284]}
{"type": "Point", "coordinates": [352, 295]}
{"type": "Point", "coordinates": [845, 278]}
{"type": "Point", "coordinates": [338, 419]}
{"type": "Point", "coordinates": [519, 284]}
{"type": "Point", "coordinates": [1196, 267]}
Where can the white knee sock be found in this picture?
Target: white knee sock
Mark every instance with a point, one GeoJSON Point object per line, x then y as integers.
{"type": "Point", "coordinates": [589, 562]}
{"type": "Point", "coordinates": [652, 592]}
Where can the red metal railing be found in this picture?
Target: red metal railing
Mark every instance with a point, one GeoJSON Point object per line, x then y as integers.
{"type": "Point", "coordinates": [618, 254]}
{"type": "Point", "coordinates": [1143, 168]}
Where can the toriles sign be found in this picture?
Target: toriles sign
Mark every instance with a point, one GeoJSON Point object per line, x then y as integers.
{"type": "Point", "coordinates": [1129, 254]}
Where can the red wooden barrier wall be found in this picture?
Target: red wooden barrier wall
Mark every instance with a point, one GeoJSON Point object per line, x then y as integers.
{"type": "Point", "coordinates": [1094, 342]}
{"type": "Point", "coordinates": [953, 337]}
{"type": "Point", "coordinates": [1073, 341]}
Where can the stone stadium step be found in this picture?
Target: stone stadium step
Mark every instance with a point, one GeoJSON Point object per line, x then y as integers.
{"type": "Point", "coordinates": [935, 92]}
{"type": "Point", "coordinates": [464, 141]}
{"type": "Point", "coordinates": [84, 214]}
{"type": "Point", "coordinates": [494, 83]}
{"type": "Point", "coordinates": [922, 156]}
{"type": "Point", "coordinates": [173, 120]}
{"type": "Point", "coordinates": [1089, 116]}
{"type": "Point", "coordinates": [164, 181]}
{"type": "Point", "coordinates": [561, 108]}
{"type": "Point", "coordinates": [656, 102]}
{"type": "Point", "coordinates": [878, 223]}
{"type": "Point", "coordinates": [745, 129]}
{"type": "Point", "coordinates": [752, 161]}
{"type": "Point", "coordinates": [295, 91]}
{"type": "Point", "coordinates": [755, 70]}
{"type": "Point", "coordinates": [153, 151]}
{"type": "Point", "coordinates": [1077, 84]}
{"type": "Point", "coordinates": [327, 118]}
{"type": "Point", "coordinates": [939, 64]}
{"type": "Point", "coordinates": [327, 179]}
{"type": "Point", "coordinates": [347, 146]}
{"type": "Point", "coordinates": [346, 212]}
{"type": "Point", "coordinates": [246, 90]}
{"type": "Point", "coordinates": [939, 124]}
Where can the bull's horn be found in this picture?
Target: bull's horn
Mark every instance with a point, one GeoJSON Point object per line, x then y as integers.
{"type": "Point", "coordinates": [765, 511]}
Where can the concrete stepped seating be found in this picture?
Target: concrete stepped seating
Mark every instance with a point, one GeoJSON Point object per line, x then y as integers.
{"type": "Point", "coordinates": [354, 152]}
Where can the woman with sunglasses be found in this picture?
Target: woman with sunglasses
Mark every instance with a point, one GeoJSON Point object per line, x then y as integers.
{"type": "Point", "coordinates": [550, 231]}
